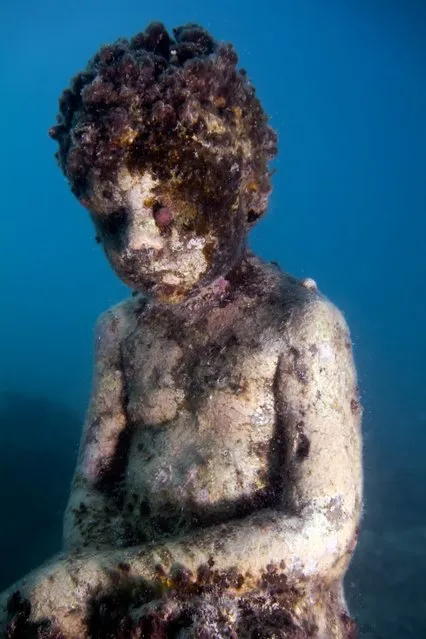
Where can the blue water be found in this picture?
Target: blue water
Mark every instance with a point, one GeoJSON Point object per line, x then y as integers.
{"type": "Point", "coordinates": [344, 84]}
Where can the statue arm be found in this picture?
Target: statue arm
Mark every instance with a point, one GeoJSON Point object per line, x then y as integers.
{"type": "Point", "coordinates": [91, 518]}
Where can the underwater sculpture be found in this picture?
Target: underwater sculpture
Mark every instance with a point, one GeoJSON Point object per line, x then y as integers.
{"type": "Point", "coordinates": [218, 488]}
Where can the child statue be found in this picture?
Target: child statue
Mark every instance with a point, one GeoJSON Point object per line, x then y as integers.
{"type": "Point", "coordinates": [218, 488]}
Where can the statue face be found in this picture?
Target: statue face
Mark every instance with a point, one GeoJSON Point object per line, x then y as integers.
{"type": "Point", "coordinates": [168, 236]}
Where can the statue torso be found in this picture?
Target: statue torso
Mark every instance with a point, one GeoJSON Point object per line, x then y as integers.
{"type": "Point", "coordinates": [205, 440]}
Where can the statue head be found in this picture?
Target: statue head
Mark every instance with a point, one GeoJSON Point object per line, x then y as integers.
{"type": "Point", "coordinates": [164, 141]}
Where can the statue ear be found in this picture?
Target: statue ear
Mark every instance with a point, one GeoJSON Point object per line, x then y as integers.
{"type": "Point", "coordinates": [252, 217]}
{"type": "Point", "coordinates": [255, 195]}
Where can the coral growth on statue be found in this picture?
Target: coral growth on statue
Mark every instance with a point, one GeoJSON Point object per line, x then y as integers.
{"type": "Point", "coordinates": [218, 487]}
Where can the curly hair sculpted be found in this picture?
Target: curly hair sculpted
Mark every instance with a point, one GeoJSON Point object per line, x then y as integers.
{"type": "Point", "coordinates": [174, 106]}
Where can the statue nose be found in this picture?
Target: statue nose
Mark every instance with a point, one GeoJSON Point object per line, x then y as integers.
{"type": "Point", "coordinates": [143, 232]}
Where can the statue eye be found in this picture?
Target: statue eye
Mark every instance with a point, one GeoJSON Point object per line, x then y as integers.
{"type": "Point", "coordinates": [114, 223]}
{"type": "Point", "coordinates": [163, 216]}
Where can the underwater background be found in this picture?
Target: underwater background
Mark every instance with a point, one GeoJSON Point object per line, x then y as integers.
{"type": "Point", "coordinates": [345, 86]}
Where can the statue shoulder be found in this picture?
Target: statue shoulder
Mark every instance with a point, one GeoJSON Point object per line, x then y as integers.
{"type": "Point", "coordinates": [319, 321]}
{"type": "Point", "coordinates": [318, 352]}
{"type": "Point", "coordinates": [310, 322]}
{"type": "Point", "coordinates": [114, 324]}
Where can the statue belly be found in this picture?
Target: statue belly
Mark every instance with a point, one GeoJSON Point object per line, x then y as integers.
{"type": "Point", "coordinates": [201, 469]}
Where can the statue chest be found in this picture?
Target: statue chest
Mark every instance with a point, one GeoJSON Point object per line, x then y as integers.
{"type": "Point", "coordinates": [204, 430]}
